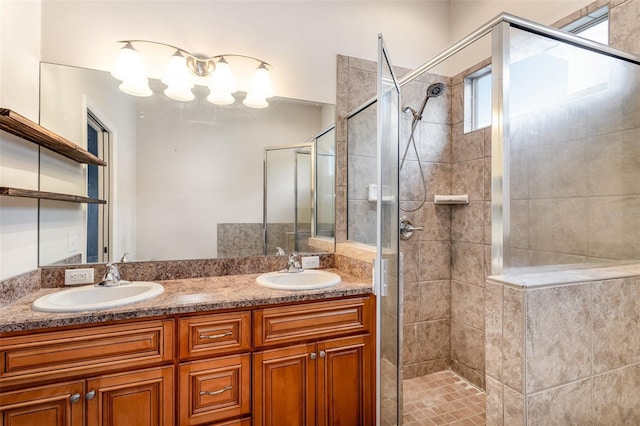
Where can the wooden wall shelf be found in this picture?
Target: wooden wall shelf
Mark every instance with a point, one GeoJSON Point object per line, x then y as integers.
{"type": "Point", "coordinates": [29, 193]}
{"type": "Point", "coordinates": [12, 122]}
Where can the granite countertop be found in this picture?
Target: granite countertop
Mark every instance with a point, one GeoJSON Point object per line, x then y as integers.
{"type": "Point", "coordinates": [179, 297]}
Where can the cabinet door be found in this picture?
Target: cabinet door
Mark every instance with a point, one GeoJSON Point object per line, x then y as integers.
{"type": "Point", "coordinates": [54, 405]}
{"type": "Point", "coordinates": [137, 398]}
{"type": "Point", "coordinates": [284, 385]}
{"type": "Point", "coordinates": [345, 382]}
{"type": "Point", "coordinates": [213, 390]}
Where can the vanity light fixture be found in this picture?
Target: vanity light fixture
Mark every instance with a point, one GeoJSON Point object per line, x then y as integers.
{"type": "Point", "coordinates": [185, 69]}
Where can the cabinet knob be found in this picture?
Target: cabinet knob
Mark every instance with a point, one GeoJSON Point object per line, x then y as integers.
{"type": "Point", "coordinates": [313, 355]}
{"type": "Point", "coordinates": [323, 354]}
{"type": "Point", "coordinates": [74, 398]}
{"type": "Point", "coordinates": [91, 394]}
{"type": "Point", "coordinates": [218, 392]}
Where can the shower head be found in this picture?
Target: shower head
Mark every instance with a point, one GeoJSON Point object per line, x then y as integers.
{"type": "Point", "coordinates": [435, 90]}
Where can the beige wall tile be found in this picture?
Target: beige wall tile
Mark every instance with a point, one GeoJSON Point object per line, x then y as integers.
{"type": "Point", "coordinates": [434, 339]}
{"type": "Point", "coordinates": [564, 405]}
{"type": "Point", "coordinates": [616, 321]}
{"type": "Point", "coordinates": [513, 326]}
{"type": "Point", "coordinates": [467, 222]}
{"type": "Point", "coordinates": [466, 146]}
{"type": "Point", "coordinates": [558, 225]}
{"type": "Point", "coordinates": [410, 344]}
{"type": "Point", "coordinates": [616, 400]}
{"type": "Point", "coordinates": [467, 345]}
{"type": "Point", "coordinates": [468, 178]}
{"type": "Point", "coordinates": [625, 26]}
{"type": "Point", "coordinates": [467, 304]}
{"type": "Point", "coordinates": [434, 300]}
{"type": "Point", "coordinates": [434, 144]}
{"type": "Point", "coordinates": [471, 375]}
{"type": "Point", "coordinates": [436, 220]}
{"type": "Point", "coordinates": [435, 258]}
{"type": "Point", "coordinates": [613, 164]}
{"type": "Point", "coordinates": [493, 329]}
{"type": "Point", "coordinates": [558, 170]}
{"type": "Point", "coordinates": [433, 366]}
{"type": "Point", "coordinates": [467, 263]}
{"type": "Point", "coordinates": [411, 303]}
{"type": "Point", "coordinates": [519, 235]}
{"type": "Point", "coordinates": [559, 336]}
{"type": "Point", "coordinates": [614, 227]}
{"type": "Point", "coordinates": [495, 411]}
{"type": "Point", "coordinates": [514, 407]}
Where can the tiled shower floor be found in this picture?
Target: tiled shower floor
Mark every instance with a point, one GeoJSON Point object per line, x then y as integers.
{"type": "Point", "coordinates": [442, 398]}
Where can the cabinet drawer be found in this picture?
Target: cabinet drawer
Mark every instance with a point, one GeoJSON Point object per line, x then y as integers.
{"type": "Point", "coordinates": [214, 390]}
{"type": "Point", "coordinates": [92, 350]}
{"type": "Point", "coordinates": [290, 324]}
{"type": "Point", "coordinates": [215, 334]}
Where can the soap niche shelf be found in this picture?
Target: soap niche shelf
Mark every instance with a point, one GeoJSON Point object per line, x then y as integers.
{"type": "Point", "coordinates": [14, 123]}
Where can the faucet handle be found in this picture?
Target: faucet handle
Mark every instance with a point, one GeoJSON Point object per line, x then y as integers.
{"type": "Point", "coordinates": [113, 273]}
{"type": "Point", "coordinates": [125, 257]}
{"type": "Point", "coordinates": [280, 252]}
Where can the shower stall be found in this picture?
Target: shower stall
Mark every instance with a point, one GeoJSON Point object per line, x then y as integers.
{"type": "Point", "coordinates": [552, 174]}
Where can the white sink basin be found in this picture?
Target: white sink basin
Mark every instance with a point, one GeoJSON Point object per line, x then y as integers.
{"type": "Point", "coordinates": [91, 297]}
{"type": "Point", "coordinates": [308, 279]}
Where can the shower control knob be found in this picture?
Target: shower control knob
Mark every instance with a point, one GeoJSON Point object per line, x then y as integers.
{"type": "Point", "coordinates": [407, 229]}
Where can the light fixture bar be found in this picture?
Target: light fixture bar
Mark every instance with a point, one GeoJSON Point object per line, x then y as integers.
{"type": "Point", "coordinates": [214, 69]}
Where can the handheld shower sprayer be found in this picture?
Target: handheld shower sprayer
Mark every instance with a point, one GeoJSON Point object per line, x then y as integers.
{"type": "Point", "coordinates": [433, 91]}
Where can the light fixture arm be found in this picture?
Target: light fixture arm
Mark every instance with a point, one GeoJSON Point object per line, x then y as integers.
{"type": "Point", "coordinates": [199, 65]}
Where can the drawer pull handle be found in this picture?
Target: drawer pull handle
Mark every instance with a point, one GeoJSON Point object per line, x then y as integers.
{"type": "Point", "coordinates": [218, 392]}
{"type": "Point", "coordinates": [313, 355]}
{"type": "Point", "coordinates": [91, 394]}
{"type": "Point", "coordinates": [216, 336]}
{"type": "Point", "coordinates": [74, 398]}
{"type": "Point", "coordinates": [323, 354]}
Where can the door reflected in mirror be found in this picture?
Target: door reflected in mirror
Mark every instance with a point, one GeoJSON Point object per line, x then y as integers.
{"type": "Point", "coordinates": [184, 178]}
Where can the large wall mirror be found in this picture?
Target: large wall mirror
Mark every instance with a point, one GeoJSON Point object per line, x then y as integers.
{"type": "Point", "coordinates": [184, 179]}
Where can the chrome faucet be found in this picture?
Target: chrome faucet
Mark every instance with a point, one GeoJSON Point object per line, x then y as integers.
{"type": "Point", "coordinates": [293, 264]}
{"type": "Point", "coordinates": [112, 277]}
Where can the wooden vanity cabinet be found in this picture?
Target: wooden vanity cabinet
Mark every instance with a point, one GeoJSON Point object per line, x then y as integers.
{"type": "Point", "coordinates": [126, 394]}
{"type": "Point", "coordinates": [299, 364]}
{"type": "Point", "coordinates": [326, 381]}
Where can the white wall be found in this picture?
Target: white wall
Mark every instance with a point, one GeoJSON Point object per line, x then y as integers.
{"type": "Point", "coordinates": [192, 171]}
{"type": "Point", "coordinates": [67, 94]}
{"type": "Point", "coordinates": [468, 15]}
{"type": "Point", "coordinates": [19, 90]}
{"type": "Point", "coordinates": [300, 38]}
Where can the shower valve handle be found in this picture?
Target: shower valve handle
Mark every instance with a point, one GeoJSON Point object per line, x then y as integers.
{"type": "Point", "coordinates": [407, 229]}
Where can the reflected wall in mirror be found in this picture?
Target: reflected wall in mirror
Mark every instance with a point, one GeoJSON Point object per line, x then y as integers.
{"type": "Point", "coordinates": [179, 173]}
{"type": "Point", "coordinates": [288, 197]}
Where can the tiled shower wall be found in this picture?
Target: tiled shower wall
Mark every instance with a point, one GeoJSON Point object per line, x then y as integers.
{"type": "Point", "coordinates": [470, 238]}
{"type": "Point", "coordinates": [446, 265]}
{"type": "Point", "coordinates": [575, 196]}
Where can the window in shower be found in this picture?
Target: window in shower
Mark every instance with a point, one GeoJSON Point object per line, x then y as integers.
{"type": "Point", "coordinates": [581, 74]}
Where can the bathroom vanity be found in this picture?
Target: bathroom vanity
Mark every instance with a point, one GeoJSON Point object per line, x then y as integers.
{"type": "Point", "coordinates": [209, 351]}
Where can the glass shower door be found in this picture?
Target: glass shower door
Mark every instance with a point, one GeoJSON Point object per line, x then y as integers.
{"type": "Point", "coordinates": [387, 279]}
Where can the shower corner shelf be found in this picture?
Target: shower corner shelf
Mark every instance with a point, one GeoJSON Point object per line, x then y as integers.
{"type": "Point", "coordinates": [30, 193]}
{"type": "Point", "coordinates": [12, 122]}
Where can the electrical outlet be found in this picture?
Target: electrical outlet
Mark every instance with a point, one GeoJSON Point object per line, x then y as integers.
{"type": "Point", "coordinates": [78, 276]}
{"type": "Point", "coordinates": [310, 262]}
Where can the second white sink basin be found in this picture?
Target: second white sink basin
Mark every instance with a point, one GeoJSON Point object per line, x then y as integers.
{"type": "Point", "coordinates": [308, 279]}
{"type": "Point", "coordinates": [91, 297]}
